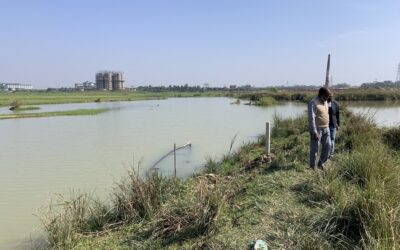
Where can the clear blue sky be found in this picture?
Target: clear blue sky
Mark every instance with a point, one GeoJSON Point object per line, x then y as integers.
{"type": "Point", "coordinates": [60, 42]}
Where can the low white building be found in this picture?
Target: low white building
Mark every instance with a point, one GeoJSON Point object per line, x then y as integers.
{"type": "Point", "coordinates": [15, 86]}
{"type": "Point", "coordinates": [85, 86]}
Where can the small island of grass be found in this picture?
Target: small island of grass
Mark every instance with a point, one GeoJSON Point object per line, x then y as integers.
{"type": "Point", "coordinates": [27, 108]}
{"type": "Point", "coordinates": [54, 113]}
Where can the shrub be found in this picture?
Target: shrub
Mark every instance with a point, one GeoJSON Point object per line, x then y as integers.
{"type": "Point", "coordinates": [266, 101]}
{"type": "Point", "coordinates": [15, 104]}
{"type": "Point", "coordinates": [392, 138]}
{"type": "Point", "coordinates": [64, 219]}
{"type": "Point", "coordinates": [360, 130]}
{"type": "Point", "coordinates": [183, 219]}
{"type": "Point", "coordinates": [286, 127]}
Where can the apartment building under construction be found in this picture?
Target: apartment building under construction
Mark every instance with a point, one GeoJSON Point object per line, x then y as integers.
{"type": "Point", "coordinates": [109, 80]}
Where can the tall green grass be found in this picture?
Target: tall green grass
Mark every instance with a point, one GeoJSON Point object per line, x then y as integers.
{"type": "Point", "coordinates": [361, 188]}
{"type": "Point", "coordinates": [359, 192]}
{"type": "Point", "coordinates": [177, 211]}
{"type": "Point", "coordinates": [137, 198]}
{"type": "Point", "coordinates": [266, 101]}
{"type": "Point", "coordinates": [392, 138]}
{"type": "Point", "coordinates": [67, 218]}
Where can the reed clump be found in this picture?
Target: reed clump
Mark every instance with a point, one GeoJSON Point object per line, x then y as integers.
{"type": "Point", "coordinates": [137, 198]}
{"type": "Point", "coordinates": [15, 104]}
{"type": "Point", "coordinates": [286, 127]}
{"type": "Point", "coordinates": [266, 101]}
{"type": "Point", "coordinates": [360, 130]}
{"type": "Point", "coordinates": [67, 218]}
{"type": "Point", "coordinates": [189, 216]}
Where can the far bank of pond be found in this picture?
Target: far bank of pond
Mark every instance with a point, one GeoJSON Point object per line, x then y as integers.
{"type": "Point", "coordinates": [265, 96]}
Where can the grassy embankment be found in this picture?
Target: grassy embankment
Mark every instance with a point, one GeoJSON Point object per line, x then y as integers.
{"type": "Point", "coordinates": [244, 196]}
{"type": "Point", "coordinates": [54, 113]}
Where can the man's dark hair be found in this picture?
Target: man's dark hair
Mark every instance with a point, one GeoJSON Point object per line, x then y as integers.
{"type": "Point", "coordinates": [323, 91]}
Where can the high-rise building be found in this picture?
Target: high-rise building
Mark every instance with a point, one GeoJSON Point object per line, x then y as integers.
{"type": "Point", "coordinates": [109, 80]}
{"type": "Point", "coordinates": [117, 81]}
{"type": "Point", "coordinates": [99, 80]}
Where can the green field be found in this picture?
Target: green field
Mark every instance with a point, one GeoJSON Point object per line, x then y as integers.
{"type": "Point", "coordinates": [36, 98]}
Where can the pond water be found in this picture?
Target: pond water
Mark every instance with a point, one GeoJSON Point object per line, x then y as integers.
{"type": "Point", "coordinates": [40, 157]}
{"type": "Point", "coordinates": [385, 113]}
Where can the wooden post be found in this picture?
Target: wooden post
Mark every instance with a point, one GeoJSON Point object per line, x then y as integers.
{"type": "Point", "coordinates": [175, 159]}
{"type": "Point", "coordinates": [268, 139]}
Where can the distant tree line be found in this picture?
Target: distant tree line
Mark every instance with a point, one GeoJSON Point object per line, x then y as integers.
{"type": "Point", "coordinates": [188, 88]}
{"type": "Point", "coordinates": [384, 84]}
{"type": "Point", "coordinates": [312, 87]}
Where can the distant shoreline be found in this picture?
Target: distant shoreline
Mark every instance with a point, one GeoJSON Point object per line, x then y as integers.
{"type": "Point", "coordinates": [264, 96]}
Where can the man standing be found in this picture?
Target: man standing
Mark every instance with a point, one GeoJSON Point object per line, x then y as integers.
{"type": "Point", "coordinates": [334, 122]}
{"type": "Point", "coordinates": [318, 120]}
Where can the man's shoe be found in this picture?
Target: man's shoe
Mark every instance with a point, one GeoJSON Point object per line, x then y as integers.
{"type": "Point", "coordinates": [313, 167]}
{"type": "Point", "coordinates": [321, 166]}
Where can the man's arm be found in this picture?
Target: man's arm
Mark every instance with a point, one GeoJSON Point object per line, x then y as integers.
{"type": "Point", "coordinates": [312, 113]}
{"type": "Point", "coordinates": [338, 114]}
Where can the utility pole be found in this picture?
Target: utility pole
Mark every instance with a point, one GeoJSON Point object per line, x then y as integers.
{"type": "Point", "coordinates": [328, 67]}
{"type": "Point", "coordinates": [398, 74]}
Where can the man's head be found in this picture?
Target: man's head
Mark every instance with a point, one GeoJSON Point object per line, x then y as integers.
{"type": "Point", "coordinates": [330, 98]}
{"type": "Point", "coordinates": [324, 93]}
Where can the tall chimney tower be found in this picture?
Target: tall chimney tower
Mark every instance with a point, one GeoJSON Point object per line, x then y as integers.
{"type": "Point", "coordinates": [328, 67]}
